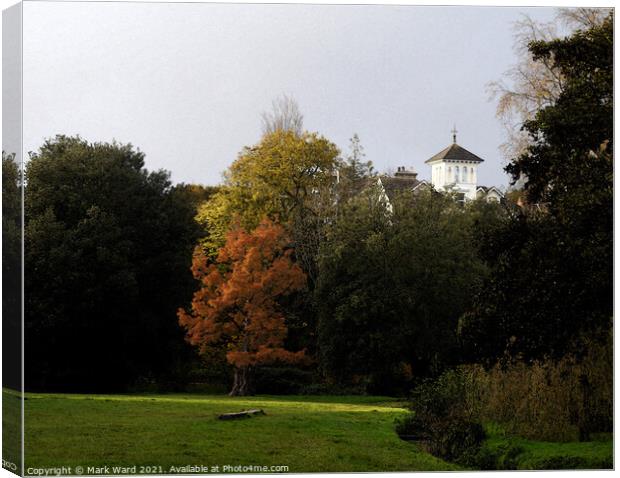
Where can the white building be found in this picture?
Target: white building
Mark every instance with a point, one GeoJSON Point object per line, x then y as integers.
{"type": "Point", "coordinates": [453, 169]}
{"type": "Point", "coordinates": [456, 170]}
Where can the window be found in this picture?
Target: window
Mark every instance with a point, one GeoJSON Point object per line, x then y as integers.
{"type": "Point", "coordinates": [465, 174]}
{"type": "Point", "coordinates": [456, 174]}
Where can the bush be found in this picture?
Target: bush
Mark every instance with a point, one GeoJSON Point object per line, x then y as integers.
{"type": "Point", "coordinates": [443, 417]}
{"type": "Point", "coordinates": [456, 439]}
{"type": "Point", "coordinates": [410, 427]}
{"type": "Point", "coordinates": [500, 457]}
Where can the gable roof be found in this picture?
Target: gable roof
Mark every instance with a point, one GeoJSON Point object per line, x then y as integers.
{"type": "Point", "coordinates": [422, 183]}
{"type": "Point", "coordinates": [456, 152]}
{"type": "Point", "coordinates": [487, 190]}
{"type": "Point", "coordinates": [396, 185]}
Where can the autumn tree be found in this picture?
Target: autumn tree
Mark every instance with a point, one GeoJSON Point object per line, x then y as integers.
{"type": "Point", "coordinates": [238, 304]}
{"type": "Point", "coordinates": [287, 177]}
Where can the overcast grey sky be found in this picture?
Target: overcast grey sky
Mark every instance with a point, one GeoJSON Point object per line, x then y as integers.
{"type": "Point", "coordinates": [186, 83]}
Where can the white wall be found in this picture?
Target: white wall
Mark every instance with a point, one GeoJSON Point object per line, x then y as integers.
{"type": "Point", "coordinates": [443, 176]}
{"type": "Point", "coordinates": [493, 196]}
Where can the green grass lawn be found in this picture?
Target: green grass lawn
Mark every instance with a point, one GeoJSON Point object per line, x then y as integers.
{"type": "Point", "coordinates": [308, 434]}
{"type": "Point", "coordinates": [11, 428]}
{"type": "Point", "coordinates": [510, 452]}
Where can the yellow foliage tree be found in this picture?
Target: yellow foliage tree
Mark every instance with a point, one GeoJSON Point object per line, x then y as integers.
{"type": "Point", "coordinates": [287, 177]}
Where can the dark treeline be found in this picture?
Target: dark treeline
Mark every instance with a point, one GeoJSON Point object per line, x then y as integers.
{"type": "Point", "coordinates": [553, 269]}
{"type": "Point", "coordinates": [107, 254]}
{"type": "Point", "coordinates": [11, 272]}
{"type": "Point", "coordinates": [392, 287]}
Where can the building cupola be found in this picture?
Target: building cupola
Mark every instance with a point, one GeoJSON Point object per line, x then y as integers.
{"type": "Point", "coordinates": [455, 169]}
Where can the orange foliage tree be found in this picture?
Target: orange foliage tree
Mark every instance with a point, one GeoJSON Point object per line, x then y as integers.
{"type": "Point", "coordinates": [237, 305]}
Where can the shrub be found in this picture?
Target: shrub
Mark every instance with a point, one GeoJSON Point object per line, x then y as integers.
{"type": "Point", "coordinates": [443, 418]}
{"type": "Point", "coordinates": [411, 427]}
{"type": "Point", "coordinates": [502, 457]}
{"type": "Point", "coordinates": [455, 439]}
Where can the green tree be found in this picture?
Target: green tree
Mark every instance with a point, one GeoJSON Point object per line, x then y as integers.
{"type": "Point", "coordinates": [392, 288]}
{"type": "Point", "coordinates": [569, 165]}
{"type": "Point", "coordinates": [108, 251]}
{"type": "Point", "coordinates": [11, 270]}
{"type": "Point", "coordinates": [535, 83]}
{"type": "Point", "coordinates": [553, 269]}
{"type": "Point", "coordinates": [353, 171]}
{"type": "Point", "coordinates": [290, 178]}
{"type": "Point", "coordinates": [287, 177]}
{"type": "Point", "coordinates": [354, 167]}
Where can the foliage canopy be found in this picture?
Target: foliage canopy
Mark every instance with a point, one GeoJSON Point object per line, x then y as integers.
{"type": "Point", "coordinates": [237, 305]}
{"type": "Point", "coordinates": [108, 248]}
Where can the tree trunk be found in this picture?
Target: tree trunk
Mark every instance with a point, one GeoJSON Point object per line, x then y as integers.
{"type": "Point", "coordinates": [241, 382]}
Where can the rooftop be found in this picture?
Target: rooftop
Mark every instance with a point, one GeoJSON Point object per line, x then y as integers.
{"type": "Point", "coordinates": [455, 152]}
{"type": "Point", "coordinates": [393, 186]}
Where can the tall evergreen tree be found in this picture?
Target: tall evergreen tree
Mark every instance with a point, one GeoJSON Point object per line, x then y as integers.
{"type": "Point", "coordinates": [108, 251]}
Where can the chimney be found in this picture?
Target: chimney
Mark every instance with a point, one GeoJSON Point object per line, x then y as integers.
{"type": "Point", "coordinates": [403, 172]}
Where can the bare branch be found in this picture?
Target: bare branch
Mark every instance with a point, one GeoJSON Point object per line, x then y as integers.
{"type": "Point", "coordinates": [284, 116]}
{"type": "Point", "coordinates": [582, 18]}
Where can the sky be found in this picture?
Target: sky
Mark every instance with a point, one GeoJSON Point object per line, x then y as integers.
{"type": "Point", "coordinates": [187, 83]}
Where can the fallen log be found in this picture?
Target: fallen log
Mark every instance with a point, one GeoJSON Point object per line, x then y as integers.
{"type": "Point", "coordinates": [243, 414]}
